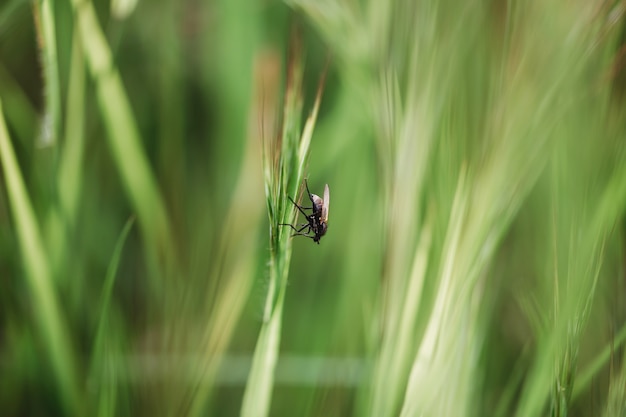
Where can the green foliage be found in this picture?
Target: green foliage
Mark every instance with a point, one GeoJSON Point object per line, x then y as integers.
{"type": "Point", "coordinates": [473, 263]}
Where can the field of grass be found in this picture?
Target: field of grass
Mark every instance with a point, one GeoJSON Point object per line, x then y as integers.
{"type": "Point", "coordinates": [474, 263]}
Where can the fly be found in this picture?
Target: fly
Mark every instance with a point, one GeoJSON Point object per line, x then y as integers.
{"type": "Point", "coordinates": [317, 221]}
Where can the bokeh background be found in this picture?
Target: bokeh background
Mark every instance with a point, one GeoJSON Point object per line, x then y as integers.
{"type": "Point", "coordinates": [474, 262]}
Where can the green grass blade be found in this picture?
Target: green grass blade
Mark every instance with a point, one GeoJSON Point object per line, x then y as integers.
{"type": "Point", "coordinates": [123, 134]}
{"type": "Point", "coordinates": [260, 384]}
{"type": "Point", "coordinates": [48, 313]}
{"type": "Point", "coordinates": [62, 217]}
{"type": "Point", "coordinates": [48, 48]}
{"type": "Point", "coordinates": [586, 375]}
{"type": "Point", "coordinates": [101, 367]}
{"type": "Point", "coordinates": [71, 161]}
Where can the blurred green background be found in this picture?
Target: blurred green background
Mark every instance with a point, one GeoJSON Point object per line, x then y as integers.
{"type": "Point", "coordinates": [474, 261]}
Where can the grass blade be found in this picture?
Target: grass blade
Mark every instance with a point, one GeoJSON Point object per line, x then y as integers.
{"type": "Point", "coordinates": [70, 165]}
{"type": "Point", "coordinates": [123, 133]}
{"type": "Point", "coordinates": [62, 217]}
{"type": "Point", "coordinates": [284, 167]}
{"type": "Point", "coordinates": [48, 313]}
{"type": "Point", "coordinates": [101, 366]}
{"type": "Point", "coordinates": [44, 17]}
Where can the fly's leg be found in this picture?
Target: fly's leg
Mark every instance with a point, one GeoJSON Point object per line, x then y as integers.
{"type": "Point", "coordinates": [303, 234]}
{"type": "Point", "coordinates": [300, 207]}
{"type": "Point", "coordinates": [298, 231]}
{"type": "Point", "coordinates": [309, 193]}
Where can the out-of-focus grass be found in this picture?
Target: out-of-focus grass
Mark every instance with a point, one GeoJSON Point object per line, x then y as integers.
{"type": "Point", "coordinates": [473, 263]}
{"type": "Point", "coordinates": [46, 35]}
{"type": "Point", "coordinates": [49, 319]}
{"type": "Point", "coordinates": [123, 136]}
{"type": "Point", "coordinates": [102, 374]}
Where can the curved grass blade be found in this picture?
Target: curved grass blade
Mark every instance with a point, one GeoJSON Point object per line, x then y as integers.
{"type": "Point", "coordinates": [99, 368]}
{"type": "Point", "coordinates": [48, 314]}
{"type": "Point", "coordinates": [123, 134]}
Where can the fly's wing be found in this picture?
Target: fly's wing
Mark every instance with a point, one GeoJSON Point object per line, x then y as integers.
{"type": "Point", "coordinates": [326, 203]}
{"type": "Point", "coordinates": [317, 204]}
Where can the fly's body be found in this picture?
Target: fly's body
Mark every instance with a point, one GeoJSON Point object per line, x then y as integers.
{"type": "Point", "coordinates": [317, 221]}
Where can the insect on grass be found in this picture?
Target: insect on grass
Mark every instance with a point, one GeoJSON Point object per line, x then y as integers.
{"type": "Point", "coordinates": [317, 221]}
